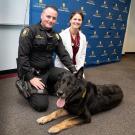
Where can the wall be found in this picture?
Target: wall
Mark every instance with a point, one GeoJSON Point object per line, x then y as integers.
{"type": "Point", "coordinates": [13, 16]}
{"type": "Point", "coordinates": [8, 46]}
{"type": "Point", "coordinates": [129, 42]}
{"type": "Point", "coordinates": [13, 12]}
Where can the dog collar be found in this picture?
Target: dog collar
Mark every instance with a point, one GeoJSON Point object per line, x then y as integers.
{"type": "Point", "coordinates": [83, 96]}
{"type": "Point", "coordinates": [84, 93]}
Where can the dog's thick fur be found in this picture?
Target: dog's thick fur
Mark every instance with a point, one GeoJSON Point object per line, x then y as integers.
{"type": "Point", "coordinates": [82, 99]}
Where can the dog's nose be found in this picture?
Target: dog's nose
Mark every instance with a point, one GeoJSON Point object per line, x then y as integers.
{"type": "Point", "coordinates": [60, 93]}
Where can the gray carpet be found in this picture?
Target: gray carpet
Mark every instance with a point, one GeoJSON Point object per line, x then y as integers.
{"type": "Point", "coordinates": [17, 118]}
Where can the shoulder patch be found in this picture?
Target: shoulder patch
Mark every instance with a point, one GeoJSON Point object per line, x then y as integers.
{"type": "Point", "coordinates": [25, 32]}
{"type": "Point", "coordinates": [57, 36]}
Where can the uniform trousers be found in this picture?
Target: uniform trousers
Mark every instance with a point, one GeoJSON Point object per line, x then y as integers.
{"type": "Point", "coordinates": [40, 101]}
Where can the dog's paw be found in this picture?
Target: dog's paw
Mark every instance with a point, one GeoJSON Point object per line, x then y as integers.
{"type": "Point", "coordinates": [42, 120]}
{"type": "Point", "coordinates": [54, 130]}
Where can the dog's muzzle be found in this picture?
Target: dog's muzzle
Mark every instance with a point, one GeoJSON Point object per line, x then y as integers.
{"type": "Point", "coordinates": [61, 101]}
{"type": "Point", "coordinates": [60, 93]}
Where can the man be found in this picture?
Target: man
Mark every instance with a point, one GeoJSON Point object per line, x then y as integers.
{"type": "Point", "coordinates": [37, 45]}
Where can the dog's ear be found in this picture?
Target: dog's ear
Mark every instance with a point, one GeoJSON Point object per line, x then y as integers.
{"type": "Point", "coordinates": [79, 73]}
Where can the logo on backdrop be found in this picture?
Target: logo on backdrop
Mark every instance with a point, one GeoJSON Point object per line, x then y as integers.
{"type": "Point", "coordinates": [104, 5]}
{"type": "Point", "coordinates": [104, 53]}
{"type": "Point", "coordinates": [64, 7]}
{"type": "Point", "coordinates": [91, 2]}
{"type": "Point", "coordinates": [115, 7]}
{"type": "Point", "coordinates": [125, 10]}
{"type": "Point", "coordinates": [114, 52]}
{"type": "Point", "coordinates": [111, 44]}
{"type": "Point", "coordinates": [94, 35]}
{"type": "Point", "coordinates": [88, 45]}
{"type": "Point", "coordinates": [109, 16]}
{"type": "Point", "coordinates": [119, 18]}
{"type": "Point", "coordinates": [117, 35]}
{"type": "Point", "coordinates": [120, 43]}
{"type": "Point", "coordinates": [102, 25]}
{"type": "Point", "coordinates": [92, 54]}
{"type": "Point", "coordinates": [123, 1]}
{"type": "Point", "coordinates": [97, 14]}
{"type": "Point", "coordinates": [82, 9]}
{"type": "Point", "coordinates": [107, 35]}
{"type": "Point", "coordinates": [39, 4]}
{"type": "Point", "coordinates": [100, 45]}
{"type": "Point", "coordinates": [113, 26]}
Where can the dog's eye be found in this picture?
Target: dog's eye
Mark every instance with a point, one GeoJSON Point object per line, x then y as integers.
{"type": "Point", "coordinates": [63, 80]}
{"type": "Point", "coordinates": [68, 83]}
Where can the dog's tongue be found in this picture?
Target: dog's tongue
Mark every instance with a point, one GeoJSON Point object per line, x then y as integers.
{"type": "Point", "coordinates": [60, 102]}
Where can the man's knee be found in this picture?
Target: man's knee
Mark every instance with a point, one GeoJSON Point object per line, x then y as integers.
{"type": "Point", "coordinates": [39, 102]}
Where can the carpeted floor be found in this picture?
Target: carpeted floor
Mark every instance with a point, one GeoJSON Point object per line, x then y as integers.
{"type": "Point", "coordinates": [17, 118]}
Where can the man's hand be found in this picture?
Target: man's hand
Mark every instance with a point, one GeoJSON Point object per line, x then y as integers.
{"type": "Point", "coordinates": [75, 72]}
{"type": "Point", "coordinates": [37, 83]}
{"type": "Point", "coordinates": [73, 69]}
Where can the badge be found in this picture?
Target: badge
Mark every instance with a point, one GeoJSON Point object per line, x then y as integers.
{"type": "Point", "coordinates": [39, 37]}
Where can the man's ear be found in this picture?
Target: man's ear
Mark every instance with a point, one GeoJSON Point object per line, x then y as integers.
{"type": "Point", "coordinates": [79, 73]}
{"type": "Point", "coordinates": [41, 17]}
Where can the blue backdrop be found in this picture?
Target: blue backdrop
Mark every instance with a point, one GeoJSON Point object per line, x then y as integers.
{"type": "Point", "coordinates": [104, 25]}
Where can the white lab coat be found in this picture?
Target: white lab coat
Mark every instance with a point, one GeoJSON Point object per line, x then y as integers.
{"type": "Point", "coordinates": [80, 56]}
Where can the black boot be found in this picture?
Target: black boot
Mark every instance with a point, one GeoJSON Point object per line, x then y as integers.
{"type": "Point", "coordinates": [23, 88]}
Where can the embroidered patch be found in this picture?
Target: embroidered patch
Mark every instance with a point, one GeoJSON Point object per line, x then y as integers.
{"type": "Point", "coordinates": [25, 32]}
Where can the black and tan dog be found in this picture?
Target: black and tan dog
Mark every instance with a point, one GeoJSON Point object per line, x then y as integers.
{"type": "Point", "coordinates": [81, 99]}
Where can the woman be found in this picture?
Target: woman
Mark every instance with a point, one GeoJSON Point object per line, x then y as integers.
{"type": "Point", "coordinates": [74, 41]}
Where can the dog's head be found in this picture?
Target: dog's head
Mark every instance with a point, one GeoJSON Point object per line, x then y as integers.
{"type": "Point", "coordinates": [68, 85]}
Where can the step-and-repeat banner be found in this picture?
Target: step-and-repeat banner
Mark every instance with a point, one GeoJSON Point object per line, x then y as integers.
{"type": "Point", "coordinates": [104, 25]}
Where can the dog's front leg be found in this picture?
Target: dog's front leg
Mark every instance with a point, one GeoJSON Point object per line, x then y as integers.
{"type": "Point", "coordinates": [87, 115]}
{"type": "Point", "coordinates": [54, 115]}
{"type": "Point", "coordinates": [70, 122]}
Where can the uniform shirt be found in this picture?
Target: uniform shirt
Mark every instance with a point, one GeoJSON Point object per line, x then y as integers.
{"type": "Point", "coordinates": [36, 48]}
